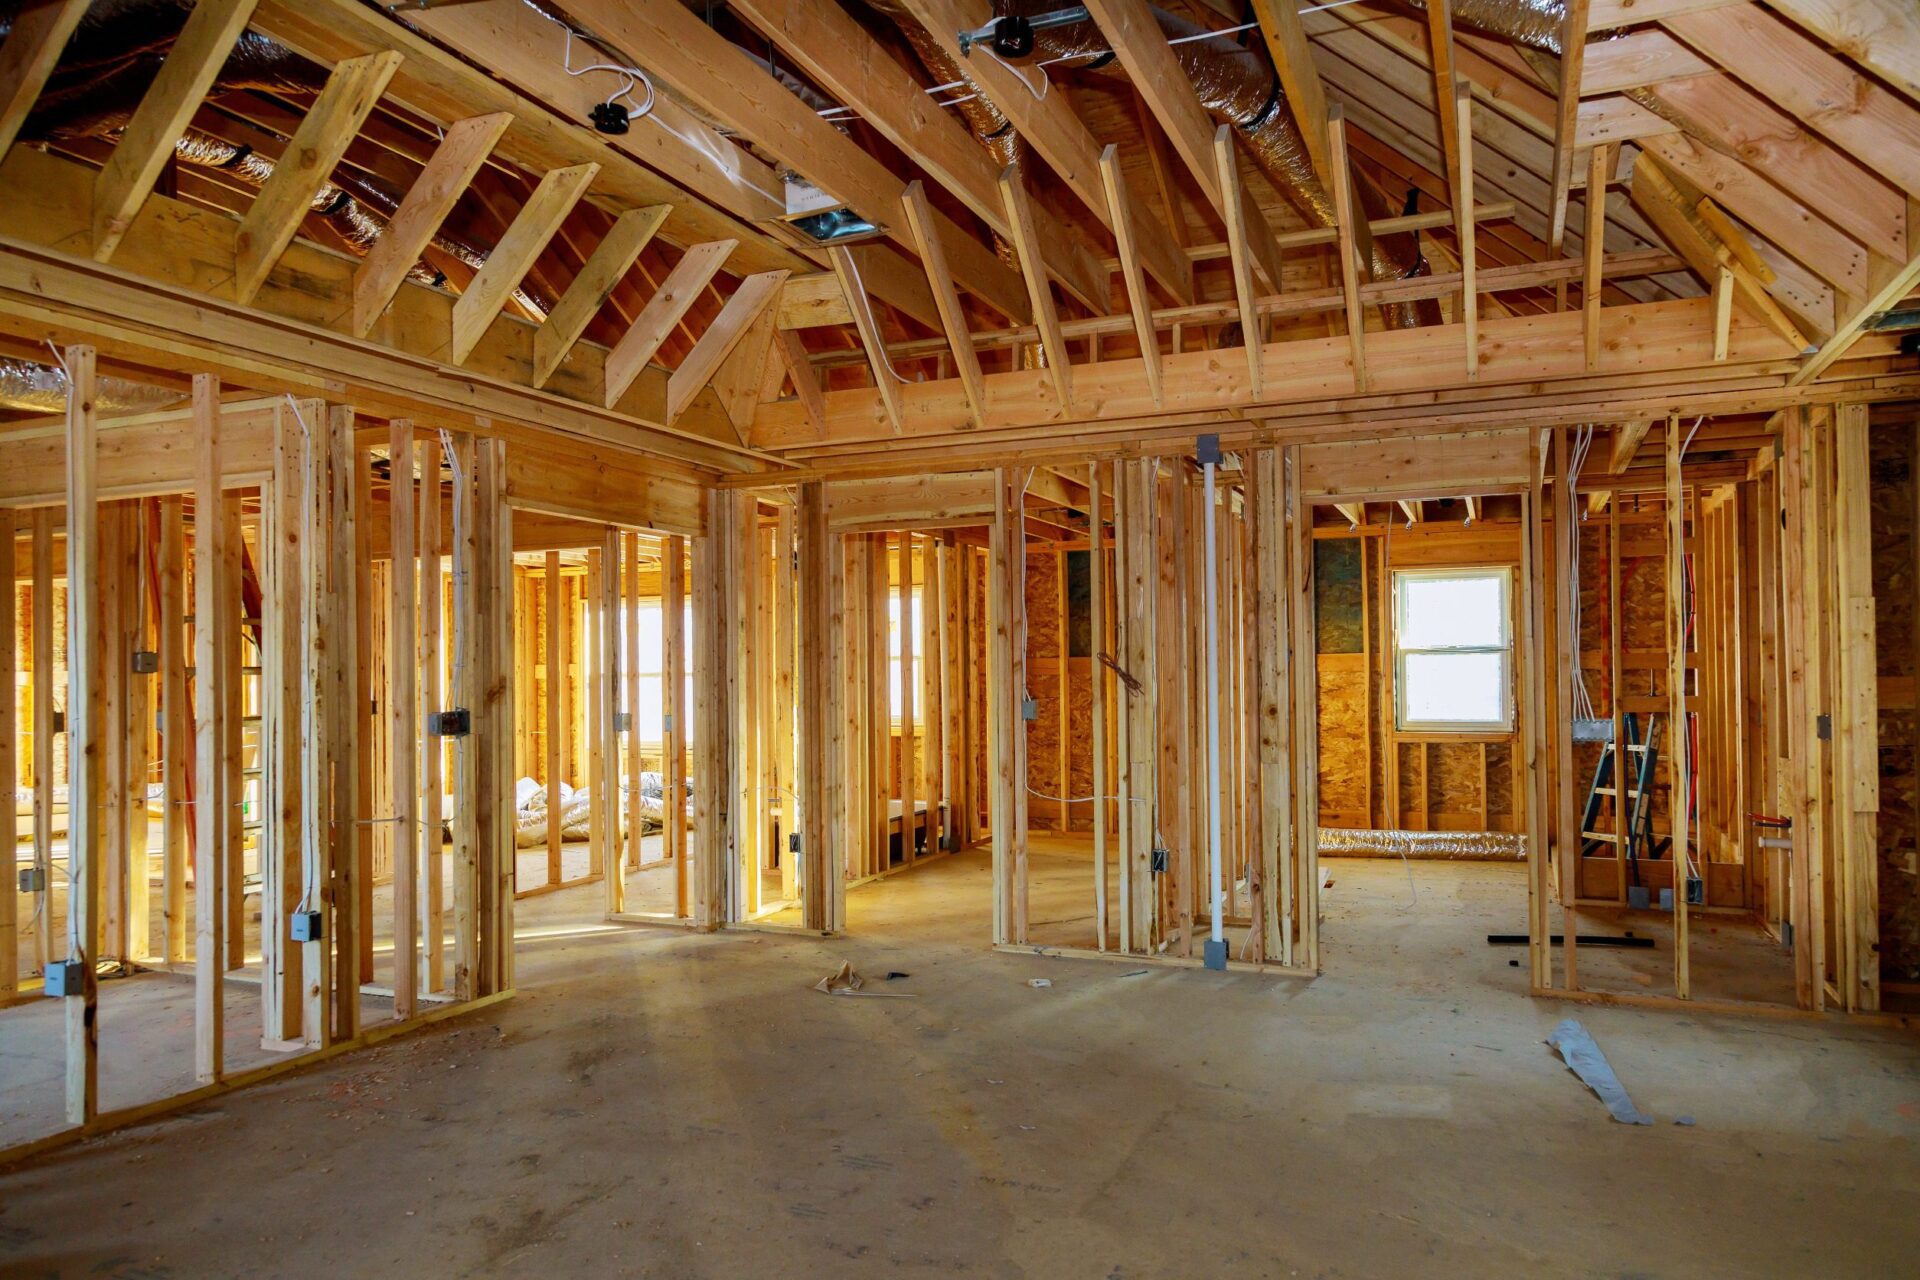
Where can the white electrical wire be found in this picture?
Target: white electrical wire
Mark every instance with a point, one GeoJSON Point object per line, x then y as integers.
{"type": "Point", "coordinates": [633, 75]}
{"type": "Point", "coordinates": [882, 356]}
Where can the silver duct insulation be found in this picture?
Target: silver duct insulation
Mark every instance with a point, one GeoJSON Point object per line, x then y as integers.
{"type": "Point", "coordinates": [1459, 846]}
{"type": "Point", "coordinates": [341, 210]}
{"type": "Point", "coordinates": [1533, 23]}
{"type": "Point", "coordinates": [36, 388]}
{"type": "Point", "coordinates": [1236, 85]}
{"type": "Point", "coordinates": [112, 59]}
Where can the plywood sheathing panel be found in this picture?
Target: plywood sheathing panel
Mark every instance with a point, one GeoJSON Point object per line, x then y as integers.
{"type": "Point", "coordinates": [1343, 740]}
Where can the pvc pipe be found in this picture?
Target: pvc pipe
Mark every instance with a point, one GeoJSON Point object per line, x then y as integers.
{"type": "Point", "coordinates": [1213, 714]}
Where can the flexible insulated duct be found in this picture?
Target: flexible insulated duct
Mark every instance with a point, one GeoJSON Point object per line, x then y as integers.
{"type": "Point", "coordinates": [36, 388]}
{"type": "Point", "coordinates": [112, 59]}
{"type": "Point", "coordinates": [1236, 86]}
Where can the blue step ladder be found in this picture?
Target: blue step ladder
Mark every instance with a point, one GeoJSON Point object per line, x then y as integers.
{"type": "Point", "coordinates": [1636, 840]}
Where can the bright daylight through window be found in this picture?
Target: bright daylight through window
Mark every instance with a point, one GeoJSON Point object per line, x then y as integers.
{"type": "Point", "coordinates": [1453, 650]}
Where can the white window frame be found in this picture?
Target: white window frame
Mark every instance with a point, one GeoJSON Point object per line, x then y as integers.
{"type": "Point", "coordinates": [1504, 650]}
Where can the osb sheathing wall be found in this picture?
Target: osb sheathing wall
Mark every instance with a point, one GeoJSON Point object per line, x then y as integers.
{"type": "Point", "coordinates": [1894, 438]}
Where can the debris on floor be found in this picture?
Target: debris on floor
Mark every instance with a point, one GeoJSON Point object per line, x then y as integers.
{"type": "Point", "coordinates": [841, 979]}
{"type": "Point", "coordinates": [844, 981]}
{"type": "Point", "coordinates": [1039, 982]}
{"type": "Point", "coordinates": [1583, 1057]}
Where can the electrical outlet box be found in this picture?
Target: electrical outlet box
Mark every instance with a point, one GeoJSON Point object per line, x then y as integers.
{"type": "Point", "coordinates": [1159, 864]}
{"type": "Point", "coordinates": [64, 978]}
{"type": "Point", "coordinates": [666, 722]}
{"type": "Point", "coordinates": [1030, 709]}
{"type": "Point", "coordinates": [59, 720]}
{"type": "Point", "coordinates": [33, 879]}
{"type": "Point", "coordinates": [793, 842]}
{"type": "Point", "coordinates": [145, 662]}
{"type": "Point", "coordinates": [306, 926]}
{"type": "Point", "coordinates": [457, 723]}
{"type": "Point", "coordinates": [1696, 891]}
{"type": "Point", "coordinates": [622, 721]}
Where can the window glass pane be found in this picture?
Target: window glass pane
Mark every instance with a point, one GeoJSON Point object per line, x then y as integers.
{"type": "Point", "coordinates": [1453, 612]}
{"type": "Point", "coordinates": [653, 726]}
{"type": "Point", "coordinates": [652, 638]}
{"type": "Point", "coordinates": [1454, 688]}
{"type": "Point", "coordinates": [893, 653]}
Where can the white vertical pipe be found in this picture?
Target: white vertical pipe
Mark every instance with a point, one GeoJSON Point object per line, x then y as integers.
{"type": "Point", "coordinates": [1213, 711]}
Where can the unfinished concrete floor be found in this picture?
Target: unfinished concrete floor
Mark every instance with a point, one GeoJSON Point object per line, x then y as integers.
{"type": "Point", "coordinates": [656, 1103]}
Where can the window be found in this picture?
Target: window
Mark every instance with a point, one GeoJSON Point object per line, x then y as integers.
{"type": "Point", "coordinates": [650, 678]}
{"type": "Point", "coordinates": [893, 654]}
{"type": "Point", "coordinates": [1453, 650]}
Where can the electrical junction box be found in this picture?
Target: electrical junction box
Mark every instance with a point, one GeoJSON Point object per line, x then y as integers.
{"type": "Point", "coordinates": [145, 662]}
{"type": "Point", "coordinates": [33, 879]}
{"type": "Point", "coordinates": [457, 723]}
{"type": "Point", "coordinates": [622, 721]}
{"type": "Point", "coordinates": [64, 978]}
{"type": "Point", "coordinates": [1030, 709]}
{"type": "Point", "coordinates": [306, 926]}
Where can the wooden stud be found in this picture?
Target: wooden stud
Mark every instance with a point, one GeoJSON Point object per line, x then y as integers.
{"type": "Point", "coordinates": [346, 704]}
{"type": "Point", "coordinates": [1302, 667]}
{"type": "Point", "coordinates": [431, 664]}
{"type": "Point", "coordinates": [440, 184]}
{"type": "Point", "coordinates": [176, 732]}
{"type": "Point", "coordinates": [1469, 286]}
{"type": "Point", "coordinates": [1097, 691]}
{"type": "Point", "coordinates": [536, 223]}
{"type": "Point", "coordinates": [1532, 747]}
{"type": "Point", "coordinates": [147, 142]}
{"type": "Point", "coordinates": [1856, 711]}
{"type": "Point", "coordinates": [212, 618]}
{"type": "Point", "coordinates": [83, 741]}
{"type": "Point", "coordinates": [1678, 770]}
{"type": "Point", "coordinates": [953, 317]}
{"type": "Point", "coordinates": [1243, 289]}
{"type": "Point", "coordinates": [1573, 47]}
{"type": "Point", "coordinates": [9, 745]}
{"type": "Point", "coordinates": [1120, 213]}
{"type": "Point", "coordinates": [605, 739]}
{"type": "Point", "coordinates": [233, 888]}
{"type": "Point", "coordinates": [282, 736]}
{"type": "Point", "coordinates": [718, 340]}
{"type": "Point", "coordinates": [554, 596]}
{"type": "Point", "coordinates": [1293, 58]}
{"type": "Point", "coordinates": [285, 199]}
{"type": "Point", "coordinates": [630, 692]}
{"type": "Point", "coordinates": [906, 781]}
{"type": "Point", "coordinates": [1349, 254]}
{"type": "Point", "coordinates": [673, 603]}
{"type": "Point", "coordinates": [816, 761]}
{"type": "Point", "coordinates": [1566, 661]}
{"type": "Point", "coordinates": [1599, 167]}
{"type": "Point", "coordinates": [871, 338]}
{"type": "Point", "coordinates": [32, 48]}
{"type": "Point", "coordinates": [1046, 317]}
{"type": "Point", "coordinates": [43, 731]}
{"type": "Point", "coordinates": [616, 253]}
{"type": "Point", "coordinates": [403, 713]}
